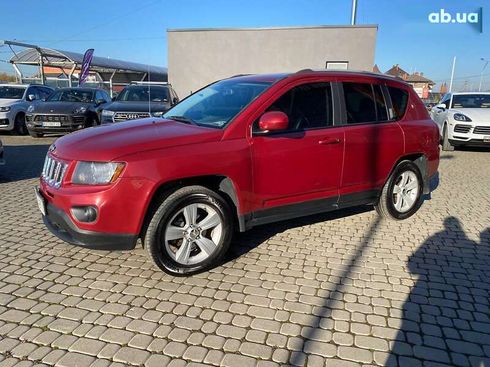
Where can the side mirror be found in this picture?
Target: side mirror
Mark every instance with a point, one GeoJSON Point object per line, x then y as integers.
{"type": "Point", "coordinates": [113, 98]}
{"type": "Point", "coordinates": [273, 121]}
{"type": "Point", "coordinates": [31, 97]}
{"type": "Point", "coordinates": [441, 106]}
{"type": "Point", "coordinates": [175, 101]}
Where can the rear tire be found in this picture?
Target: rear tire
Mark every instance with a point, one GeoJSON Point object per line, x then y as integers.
{"type": "Point", "coordinates": [20, 127]}
{"type": "Point", "coordinates": [190, 231]}
{"type": "Point", "coordinates": [401, 196]}
{"type": "Point", "coordinates": [446, 145]}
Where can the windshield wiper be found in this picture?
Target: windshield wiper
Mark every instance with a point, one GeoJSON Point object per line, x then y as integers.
{"type": "Point", "coordinates": [183, 119]}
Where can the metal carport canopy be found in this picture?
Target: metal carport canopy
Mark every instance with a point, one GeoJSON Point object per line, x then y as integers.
{"type": "Point", "coordinates": [106, 68]}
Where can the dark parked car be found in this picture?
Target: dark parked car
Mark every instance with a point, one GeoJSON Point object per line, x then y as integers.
{"type": "Point", "coordinates": [2, 161]}
{"type": "Point", "coordinates": [239, 153]}
{"type": "Point", "coordinates": [66, 110]}
{"type": "Point", "coordinates": [140, 101]}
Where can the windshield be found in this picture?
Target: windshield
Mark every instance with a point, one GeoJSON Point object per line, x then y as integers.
{"type": "Point", "coordinates": [471, 101]}
{"type": "Point", "coordinates": [11, 92]}
{"type": "Point", "coordinates": [143, 93]}
{"type": "Point", "coordinates": [72, 95]}
{"type": "Point", "coordinates": [219, 103]}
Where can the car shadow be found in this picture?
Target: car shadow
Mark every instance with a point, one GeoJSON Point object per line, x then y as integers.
{"type": "Point", "coordinates": [22, 162]}
{"type": "Point", "coordinates": [446, 317]}
{"type": "Point", "coordinates": [247, 241]}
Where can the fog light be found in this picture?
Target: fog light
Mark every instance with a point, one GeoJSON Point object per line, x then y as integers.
{"type": "Point", "coordinates": [85, 214]}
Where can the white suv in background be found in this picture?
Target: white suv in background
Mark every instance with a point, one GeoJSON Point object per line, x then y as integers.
{"type": "Point", "coordinates": [463, 119]}
{"type": "Point", "coordinates": [14, 101]}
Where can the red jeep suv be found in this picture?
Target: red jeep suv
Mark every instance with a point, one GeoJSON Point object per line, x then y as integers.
{"type": "Point", "coordinates": [238, 153]}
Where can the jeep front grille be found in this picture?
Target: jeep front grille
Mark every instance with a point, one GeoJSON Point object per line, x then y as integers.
{"type": "Point", "coordinates": [482, 130]}
{"type": "Point", "coordinates": [53, 171]}
{"type": "Point", "coordinates": [123, 116]}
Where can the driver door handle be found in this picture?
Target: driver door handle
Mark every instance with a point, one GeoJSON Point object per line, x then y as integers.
{"type": "Point", "coordinates": [328, 141]}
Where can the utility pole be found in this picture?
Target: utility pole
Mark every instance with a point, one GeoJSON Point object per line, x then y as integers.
{"type": "Point", "coordinates": [481, 74]}
{"type": "Point", "coordinates": [452, 75]}
{"type": "Point", "coordinates": [354, 12]}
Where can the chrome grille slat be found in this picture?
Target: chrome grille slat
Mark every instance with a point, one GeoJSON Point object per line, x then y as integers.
{"type": "Point", "coordinates": [124, 116]}
{"type": "Point", "coordinates": [53, 171]}
{"type": "Point", "coordinates": [482, 130]}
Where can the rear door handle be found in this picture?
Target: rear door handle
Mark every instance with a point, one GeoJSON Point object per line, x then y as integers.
{"type": "Point", "coordinates": [328, 141]}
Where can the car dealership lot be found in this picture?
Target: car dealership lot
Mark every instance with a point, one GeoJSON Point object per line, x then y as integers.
{"type": "Point", "coordinates": [339, 286]}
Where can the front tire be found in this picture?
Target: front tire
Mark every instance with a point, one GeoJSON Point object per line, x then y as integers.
{"type": "Point", "coordinates": [446, 145]}
{"type": "Point", "coordinates": [401, 196]}
{"type": "Point", "coordinates": [20, 127]}
{"type": "Point", "coordinates": [190, 231]}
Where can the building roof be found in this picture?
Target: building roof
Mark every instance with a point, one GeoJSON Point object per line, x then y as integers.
{"type": "Point", "coordinates": [272, 28]}
{"type": "Point", "coordinates": [59, 58]}
{"type": "Point", "coordinates": [376, 69]}
{"type": "Point", "coordinates": [397, 72]}
{"type": "Point", "coordinates": [418, 78]}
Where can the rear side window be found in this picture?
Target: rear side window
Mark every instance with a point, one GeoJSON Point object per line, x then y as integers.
{"type": "Point", "coordinates": [399, 99]}
{"type": "Point", "coordinates": [359, 103]}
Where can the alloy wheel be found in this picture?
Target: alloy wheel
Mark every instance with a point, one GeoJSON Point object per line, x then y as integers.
{"type": "Point", "coordinates": [405, 191]}
{"type": "Point", "coordinates": [192, 234]}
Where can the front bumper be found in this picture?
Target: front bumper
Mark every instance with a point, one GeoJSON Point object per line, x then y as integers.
{"type": "Point", "coordinates": [6, 121]}
{"type": "Point", "coordinates": [45, 123]}
{"type": "Point", "coordinates": [470, 142]}
{"type": "Point", "coordinates": [61, 225]}
{"type": "Point", "coordinates": [469, 133]}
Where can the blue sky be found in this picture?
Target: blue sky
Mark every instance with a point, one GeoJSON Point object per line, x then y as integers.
{"type": "Point", "coordinates": [136, 30]}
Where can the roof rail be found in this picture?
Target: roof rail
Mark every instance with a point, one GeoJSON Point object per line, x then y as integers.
{"type": "Point", "coordinates": [304, 71]}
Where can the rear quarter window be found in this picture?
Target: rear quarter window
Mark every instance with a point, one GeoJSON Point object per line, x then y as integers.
{"type": "Point", "coordinates": [399, 100]}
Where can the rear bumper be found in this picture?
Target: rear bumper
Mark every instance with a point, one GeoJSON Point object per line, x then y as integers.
{"type": "Point", "coordinates": [60, 224]}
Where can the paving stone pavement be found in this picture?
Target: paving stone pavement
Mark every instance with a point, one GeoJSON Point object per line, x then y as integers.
{"type": "Point", "coordinates": [340, 289]}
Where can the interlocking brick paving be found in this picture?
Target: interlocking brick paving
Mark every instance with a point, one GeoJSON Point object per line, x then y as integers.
{"type": "Point", "coordinates": [339, 289]}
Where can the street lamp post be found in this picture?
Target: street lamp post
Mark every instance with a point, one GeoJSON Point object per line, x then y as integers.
{"type": "Point", "coordinates": [483, 69]}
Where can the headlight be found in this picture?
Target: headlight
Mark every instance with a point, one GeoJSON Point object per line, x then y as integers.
{"type": "Point", "coordinates": [461, 117]}
{"type": "Point", "coordinates": [157, 114]}
{"type": "Point", "coordinates": [80, 110]}
{"type": "Point", "coordinates": [30, 108]}
{"type": "Point", "coordinates": [107, 113]}
{"type": "Point", "coordinates": [4, 109]}
{"type": "Point", "coordinates": [96, 173]}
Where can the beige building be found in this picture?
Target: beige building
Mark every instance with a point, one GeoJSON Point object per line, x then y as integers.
{"type": "Point", "coordinates": [197, 57]}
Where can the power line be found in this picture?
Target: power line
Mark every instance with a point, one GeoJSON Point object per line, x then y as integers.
{"type": "Point", "coordinates": [107, 22]}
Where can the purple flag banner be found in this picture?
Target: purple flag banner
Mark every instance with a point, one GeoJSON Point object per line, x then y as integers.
{"type": "Point", "coordinates": [87, 60]}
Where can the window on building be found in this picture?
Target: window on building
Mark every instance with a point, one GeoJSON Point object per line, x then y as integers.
{"type": "Point", "coordinates": [337, 65]}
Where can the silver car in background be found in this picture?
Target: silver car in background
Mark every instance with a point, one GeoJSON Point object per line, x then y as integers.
{"type": "Point", "coordinates": [14, 101]}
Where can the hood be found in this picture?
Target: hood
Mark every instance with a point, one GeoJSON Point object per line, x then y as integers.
{"type": "Point", "coordinates": [8, 102]}
{"type": "Point", "coordinates": [121, 106]}
{"type": "Point", "coordinates": [477, 115]}
{"type": "Point", "coordinates": [59, 107]}
{"type": "Point", "coordinates": [110, 142]}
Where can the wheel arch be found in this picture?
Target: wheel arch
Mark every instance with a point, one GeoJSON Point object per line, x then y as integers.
{"type": "Point", "coordinates": [420, 160]}
{"type": "Point", "coordinates": [220, 184]}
